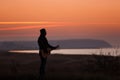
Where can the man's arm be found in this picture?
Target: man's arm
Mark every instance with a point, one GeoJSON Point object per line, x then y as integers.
{"type": "Point", "coordinates": [50, 46]}
{"type": "Point", "coordinates": [53, 47]}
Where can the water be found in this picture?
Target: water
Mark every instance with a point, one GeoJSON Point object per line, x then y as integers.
{"type": "Point", "coordinates": [107, 51]}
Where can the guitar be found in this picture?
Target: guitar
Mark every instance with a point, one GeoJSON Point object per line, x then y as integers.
{"type": "Point", "coordinates": [46, 54]}
{"type": "Point", "coordinates": [49, 51]}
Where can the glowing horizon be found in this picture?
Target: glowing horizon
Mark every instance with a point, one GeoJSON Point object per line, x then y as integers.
{"type": "Point", "coordinates": [98, 19]}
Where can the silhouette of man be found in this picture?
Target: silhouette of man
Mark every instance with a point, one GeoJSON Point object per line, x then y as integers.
{"type": "Point", "coordinates": [44, 51]}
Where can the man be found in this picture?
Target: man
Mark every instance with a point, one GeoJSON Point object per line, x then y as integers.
{"type": "Point", "coordinates": [44, 51]}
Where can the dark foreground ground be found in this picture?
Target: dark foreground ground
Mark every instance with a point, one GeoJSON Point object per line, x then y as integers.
{"type": "Point", "coordinates": [14, 66]}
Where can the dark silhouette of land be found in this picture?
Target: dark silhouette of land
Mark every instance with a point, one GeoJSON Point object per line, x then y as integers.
{"type": "Point", "coordinates": [15, 66]}
{"type": "Point", "coordinates": [22, 66]}
{"type": "Point", "coordinates": [64, 44]}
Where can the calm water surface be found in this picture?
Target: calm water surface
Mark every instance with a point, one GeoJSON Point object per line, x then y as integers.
{"type": "Point", "coordinates": [75, 51]}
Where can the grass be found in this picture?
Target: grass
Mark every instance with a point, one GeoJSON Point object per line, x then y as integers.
{"type": "Point", "coordinates": [108, 62]}
{"type": "Point", "coordinates": [104, 66]}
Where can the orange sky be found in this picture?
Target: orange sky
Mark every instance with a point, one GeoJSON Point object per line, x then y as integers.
{"type": "Point", "coordinates": [63, 19]}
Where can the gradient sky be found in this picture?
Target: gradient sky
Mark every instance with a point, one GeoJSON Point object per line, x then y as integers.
{"type": "Point", "coordinates": [63, 19]}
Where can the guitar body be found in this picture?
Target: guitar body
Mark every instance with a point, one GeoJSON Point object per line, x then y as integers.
{"type": "Point", "coordinates": [45, 55]}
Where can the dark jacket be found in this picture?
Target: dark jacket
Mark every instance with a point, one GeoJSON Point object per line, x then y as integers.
{"type": "Point", "coordinates": [43, 44]}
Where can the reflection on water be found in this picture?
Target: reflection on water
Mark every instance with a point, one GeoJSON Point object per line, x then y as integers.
{"type": "Point", "coordinates": [70, 51]}
{"type": "Point", "coordinates": [60, 51]}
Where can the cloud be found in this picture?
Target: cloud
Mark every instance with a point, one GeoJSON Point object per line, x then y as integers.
{"type": "Point", "coordinates": [8, 26]}
{"type": "Point", "coordinates": [41, 23]}
{"type": "Point", "coordinates": [18, 28]}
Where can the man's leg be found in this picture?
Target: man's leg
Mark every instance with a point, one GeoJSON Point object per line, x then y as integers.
{"type": "Point", "coordinates": [42, 67]}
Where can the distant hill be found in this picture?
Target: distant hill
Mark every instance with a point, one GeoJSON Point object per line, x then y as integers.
{"type": "Point", "coordinates": [64, 44]}
{"type": "Point", "coordinates": [82, 43]}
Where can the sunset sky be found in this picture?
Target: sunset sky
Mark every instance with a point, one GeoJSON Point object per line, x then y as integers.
{"type": "Point", "coordinates": [63, 19]}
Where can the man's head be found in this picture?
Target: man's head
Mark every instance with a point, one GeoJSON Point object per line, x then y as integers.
{"type": "Point", "coordinates": [43, 32]}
